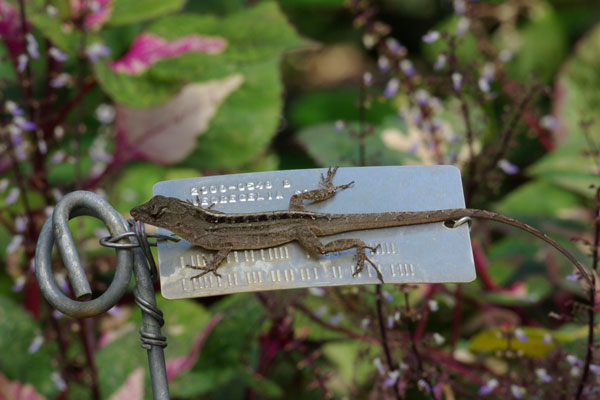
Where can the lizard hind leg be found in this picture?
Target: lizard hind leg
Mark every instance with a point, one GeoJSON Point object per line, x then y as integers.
{"type": "Point", "coordinates": [313, 245]}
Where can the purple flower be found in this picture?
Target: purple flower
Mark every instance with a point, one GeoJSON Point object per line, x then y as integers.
{"type": "Point", "coordinates": [3, 184]}
{"type": "Point", "coordinates": [105, 114]}
{"type": "Point", "coordinates": [379, 365]}
{"type": "Point", "coordinates": [424, 386]}
{"type": "Point", "coordinates": [56, 314]}
{"type": "Point", "coordinates": [35, 345]}
{"type": "Point", "coordinates": [319, 312]}
{"type": "Point", "coordinates": [316, 291]}
{"type": "Point", "coordinates": [391, 88]}
{"type": "Point", "coordinates": [574, 277]}
{"type": "Point", "coordinates": [456, 81]}
{"type": "Point", "coordinates": [484, 85]}
{"type": "Point", "coordinates": [422, 97]}
{"type": "Point", "coordinates": [115, 311]}
{"type": "Point", "coordinates": [517, 391]}
{"type": "Point", "coordinates": [58, 381]}
{"type": "Point", "coordinates": [508, 167]}
{"type": "Point", "coordinates": [521, 336]}
{"type": "Point", "coordinates": [24, 124]}
{"type": "Point", "coordinates": [336, 319]}
{"type": "Point", "coordinates": [547, 339]}
{"type": "Point", "coordinates": [14, 244]}
{"type": "Point", "coordinates": [460, 7]}
{"type": "Point", "coordinates": [433, 305]}
{"type": "Point", "coordinates": [390, 322]}
{"type": "Point", "coordinates": [463, 26]}
{"type": "Point", "coordinates": [96, 51]}
{"type": "Point", "coordinates": [407, 67]}
{"type": "Point", "coordinates": [42, 146]}
{"type": "Point", "coordinates": [12, 196]}
{"type": "Point", "coordinates": [391, 379]}
{"type": "Point", "coordinates": [505, 55]}
{"type": "Point", "coordinates": [20, 223]}
{"type": "Point", "coordinates": [32, 46]}
{"type": "Point", "coordinates": [549, 122]}
{"type": "Point", "coordinates": [543, 376]}
{"type": "Point", "coordinates": [57, 54]}
{"type": "Point", "coordinates": [387, 296]}
{"type": "Point", "coordinates": [440, 63]}
{"type": "Point", "coordinates": [438, 339]}
{"type": "Point", "coordinates": [60, 80]}
{"type": "Point", "coordinates": [12, 108]}
{"type": "Point", "coordinates": [488, 387]}
{"type": "Point", "coordinates": [58, 157]}
{"type": "Point", "coordinates": [364, 323]}
{"type": "Point", "coordinates": [368, 78]}
{"type": "Point", "coordinates": [369, 40]}
{"type": "Point", "coordinates": [19, 284]}
{"type": "Point", "coordinates": [340, 125]}
{"type": "Point", "coordinates": [51, 11]}
{"type": "Point", "coordinates": [22, 62]}
{"type": "Point", "coordinates": [595, 368]}
{"type": "Point", "coordinates": [395, 47]}
{"type": "Point", "coordinates": [383, 63]}
{"type": "Point", "coordinates": [571, 359]}
{"type": "Point", "coordinates": [431, 36]}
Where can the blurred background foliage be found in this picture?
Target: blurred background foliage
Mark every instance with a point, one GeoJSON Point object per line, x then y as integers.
{"type": "Point", "coordinates": [114, 96]}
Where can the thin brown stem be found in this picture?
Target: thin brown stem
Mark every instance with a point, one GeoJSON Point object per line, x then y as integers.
{"type": "Point", "coordinates": [592, 299]}
{"type": "Point", "coordinates": [383, 334]}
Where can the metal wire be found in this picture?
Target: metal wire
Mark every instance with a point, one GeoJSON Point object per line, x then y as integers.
{"type": "Point", "coordinates": [138, 230]}
{"type": "Point", "coordinates": [129, 239]}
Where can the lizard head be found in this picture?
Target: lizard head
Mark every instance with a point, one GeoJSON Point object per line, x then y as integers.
{"type": "Point", "coordinates": [157, 210]}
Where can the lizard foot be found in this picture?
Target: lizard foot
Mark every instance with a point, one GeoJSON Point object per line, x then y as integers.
{"type": "Point", "coordinates": [327, 182]}
{"type": "Point", "coordinates": [205, 270]}
{"type": "Point", "coordinates": [362, 257]}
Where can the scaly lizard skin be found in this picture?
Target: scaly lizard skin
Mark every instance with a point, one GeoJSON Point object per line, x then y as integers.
{"type": "Point", "coordinates": [213, 230]}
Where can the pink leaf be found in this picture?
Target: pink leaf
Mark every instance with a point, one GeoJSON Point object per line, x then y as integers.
{"type": "Point", "coordinates": [17, 391]}
{"type": "Point", "coordinates": [96, 13]}
{"type": "Point", "coordinates": [178, 365]}
{"type": "Point", "coordinates": [147, 49]}
{"type": "Point", "coordinates": [132, 388]}
{"type": "Point", "coordinates": [10, 29]}
{"type": "Point", "coordinates": [167, 133]}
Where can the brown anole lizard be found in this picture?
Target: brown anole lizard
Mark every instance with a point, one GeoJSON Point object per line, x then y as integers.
{"type": "Point", "coordinates": [214, 230]}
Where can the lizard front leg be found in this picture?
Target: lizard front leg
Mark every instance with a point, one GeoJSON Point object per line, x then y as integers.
{"type": "Point", "coordinates": [313, 245]}
{"type": "Point", "coordinates": [328, 190]}
{"type": "Point", "coordinates": [213, 264]}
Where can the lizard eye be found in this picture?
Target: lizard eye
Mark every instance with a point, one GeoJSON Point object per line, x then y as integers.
{"type": "Point", "coordinates": [158, 212]}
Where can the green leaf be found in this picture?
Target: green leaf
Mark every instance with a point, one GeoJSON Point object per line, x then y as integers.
{"type": "Point", "coordinates": [7, 70]}
{"type": "Point", "coordinates": [466, 50]}
{"type": "Point", "coordinates": [328, 105]}
{"type": "Point", "coordinates": [542, 47]}
{"type": "Point", "coordinates": [231, 348]}
{"type": "Point", "coordinates": [249, 42]}
{"type": "Point", "coordinates": [352, 360]}
{"type": "Point", "coordinates": [577, 91]}
{"type": "Point", "coordinates": [569, 168]}
{"type": "Point", "coordinates": [130, 11]}
{"type": "Point", "coordinates": [244, 124]}
{"type": "Point", "coordinates": [330, 147]}
{"type": "Point", "coordinates": [17, 333]}
{"type": "Point", "coordinates": [136, 91]}
{"type": "Point", "coordinates": [493, 340]}
{"type": "Point", "coordinates": [184, 319]}
{"type": "Point", "coordinates": [537, 198]}
{"type": "Point", "coordinates": [60, 33]}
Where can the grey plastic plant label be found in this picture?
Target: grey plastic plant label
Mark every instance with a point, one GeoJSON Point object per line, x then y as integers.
{"type": "Point", "coordinates": [425, 253]}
